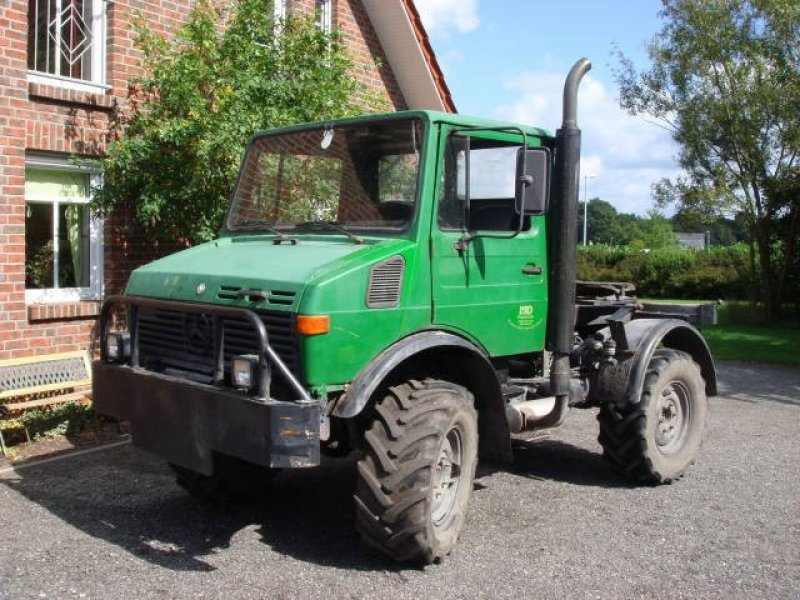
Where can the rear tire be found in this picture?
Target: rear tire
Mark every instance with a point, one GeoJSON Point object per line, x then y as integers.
{"type": "Point", "coordinates": [416, 477]}
{"type": "Point", "coordinates": [657, 439]}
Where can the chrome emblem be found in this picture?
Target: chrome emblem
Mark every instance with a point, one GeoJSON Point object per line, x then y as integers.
{"type": "Point", "coordinates": [200, 289]}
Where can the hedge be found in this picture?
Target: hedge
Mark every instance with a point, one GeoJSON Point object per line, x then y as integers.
{"type": "Point", "coordinates": [672, 272]}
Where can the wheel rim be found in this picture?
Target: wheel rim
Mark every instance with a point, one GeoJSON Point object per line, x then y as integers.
{"type": "Point", "coordinates": [447, 477]}
{"type": "Point", "coordinates": [674, 414]}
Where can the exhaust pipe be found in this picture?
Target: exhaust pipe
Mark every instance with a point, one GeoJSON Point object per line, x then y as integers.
{"type": "Point", "coordinates": [563, 241]}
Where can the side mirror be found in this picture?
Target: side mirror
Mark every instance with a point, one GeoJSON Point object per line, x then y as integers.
{"type": "Point", "coordinates": [532, 181]}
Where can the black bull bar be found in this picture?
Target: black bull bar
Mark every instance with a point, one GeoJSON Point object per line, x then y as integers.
{"type": "Point", "coordinates": [186, 422]}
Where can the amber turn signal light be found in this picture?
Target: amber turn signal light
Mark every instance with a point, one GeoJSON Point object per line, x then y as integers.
{"type": "Point", "coordinates": [313, 324]}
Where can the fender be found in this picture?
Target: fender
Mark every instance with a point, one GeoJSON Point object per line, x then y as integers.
{"type": "Point", "coordinates": [372, 376]}
{"type": "Point", "coordinates": [645, 335]}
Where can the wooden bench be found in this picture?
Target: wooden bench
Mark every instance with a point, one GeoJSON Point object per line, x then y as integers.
{"type": "Point", "coordinates": [45, 380]}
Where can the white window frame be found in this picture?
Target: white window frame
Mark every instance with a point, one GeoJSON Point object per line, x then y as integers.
{"type": "Point", "coordinates": [279, 10]}
{"type": "Point", "coordinates": [96, 287]}
{"type": "Point", "coordinates": [97, 84]}
{"type": "Point", "coordinates": [324, 15]}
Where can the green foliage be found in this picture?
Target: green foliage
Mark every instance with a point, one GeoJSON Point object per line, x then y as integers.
{"type": "Point", "coordinates": [723, 231]}
{"type": "Point", "coordinates": [725, 78]}
{"type": "Point", "coordinates": [207, 92]}
{"type": "Point", "coordinates": [607, 226]}
{"type": "Point", "coordinates": [656, 232]}
{"type": "Point", "coordinates": [61, 419]}
{"type": "Point", "coordinates": [671, 271]}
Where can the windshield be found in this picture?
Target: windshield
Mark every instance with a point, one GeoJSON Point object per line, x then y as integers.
{"type": "Point", "coordinates": [360, 176]}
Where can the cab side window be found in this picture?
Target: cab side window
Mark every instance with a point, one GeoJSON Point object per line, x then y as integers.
{"type": "Point", "coordinates": [492, 169]}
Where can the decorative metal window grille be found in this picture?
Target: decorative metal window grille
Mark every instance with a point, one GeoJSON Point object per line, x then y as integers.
{"type": "Point", "coordinates": [65, 38]}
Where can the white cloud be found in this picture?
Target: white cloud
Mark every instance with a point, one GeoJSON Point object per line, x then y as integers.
{"type": "Point", "coordinates": [444, 15]}
{"type": "Point", "coordinates": [627, 154]}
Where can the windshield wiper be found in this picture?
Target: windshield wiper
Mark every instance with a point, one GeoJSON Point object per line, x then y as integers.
{"type": "Point", "coordinates": [280, 237]}
{"type": "Point", "coordinates": [331, 226]}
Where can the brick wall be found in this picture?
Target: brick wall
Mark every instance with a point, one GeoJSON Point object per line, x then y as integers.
{"type": "Point", "coordinates": [45, 118]}
{"type": "Point", "coordinates": [370, 66]}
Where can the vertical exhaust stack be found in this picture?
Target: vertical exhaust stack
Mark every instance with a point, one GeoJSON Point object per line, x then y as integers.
{"type": "Point", "coordinates": [564, 237]}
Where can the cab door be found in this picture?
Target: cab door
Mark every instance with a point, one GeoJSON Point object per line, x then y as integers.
{"type": "Point", "coordinates": [489, 282]}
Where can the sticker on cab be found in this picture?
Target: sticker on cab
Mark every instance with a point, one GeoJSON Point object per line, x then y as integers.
{"type": "Point", "coordinates": [522, 317]}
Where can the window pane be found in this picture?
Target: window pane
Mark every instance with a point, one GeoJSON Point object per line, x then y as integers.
{"type": "Point", "coordinates": [492, 170]}
{"type": "Point", "coordinates": [44, 183]}
{"type": "Point", "coordinates": [60, 37]}
{"type": "Point", "coordinates": [73, 245]}
{"type": "Point", "coordinates": [322, 15]}
{"type": "Point", "coordinates": [40, 50]}
{"type": "Point", "coordinates": [57, 252]}
{"type": "Point", "coordinates": [39, 257]}
{"type": "Point", "coordinates": [397, 178]}
{"type": "Point", "coordinates": [295, 188]}
{"type": "Point", "coordinates": [362, 176]}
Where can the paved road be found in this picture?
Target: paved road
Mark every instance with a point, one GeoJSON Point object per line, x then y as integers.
{"type": "Point", "coordinates": [557, 524]}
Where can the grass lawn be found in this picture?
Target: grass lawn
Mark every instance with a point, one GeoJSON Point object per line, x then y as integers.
{"type": "Point", "coordinates": [777, 344]}
{"type": "Point", "coordinates": [742, 335]}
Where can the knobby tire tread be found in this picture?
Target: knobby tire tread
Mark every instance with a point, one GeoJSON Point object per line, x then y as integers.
{"type": "Point", "coordinates": [624, 430]}
{"type": "Point", "coordinates": [401, 445]}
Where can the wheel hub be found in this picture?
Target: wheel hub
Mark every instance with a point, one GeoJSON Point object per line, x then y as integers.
{"type": "Point", "coordinates": [672, 415]}
{"type": "Point", "coordinates": [446, 477]}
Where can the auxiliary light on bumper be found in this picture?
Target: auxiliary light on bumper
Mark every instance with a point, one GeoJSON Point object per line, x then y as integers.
{"type": "Point", "coordinates": [118, 346]}
{"type": "Point", "coordinates": [243, 370]}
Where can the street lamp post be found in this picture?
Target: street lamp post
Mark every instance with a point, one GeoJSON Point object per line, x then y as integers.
{"type": "Point", "coordinates": [586, 179]}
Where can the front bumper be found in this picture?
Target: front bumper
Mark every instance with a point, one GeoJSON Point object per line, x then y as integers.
{"type": "Point", "coordinates": [186, 422]}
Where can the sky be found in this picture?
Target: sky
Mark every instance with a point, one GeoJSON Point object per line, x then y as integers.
{"type": "Point", "coordinates": [507, 59]}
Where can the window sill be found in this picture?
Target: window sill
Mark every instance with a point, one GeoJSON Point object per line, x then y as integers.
{"type": "Point", "coordinates": [63, 310]}
{"type": "Point", "coordinates": [51, 89]}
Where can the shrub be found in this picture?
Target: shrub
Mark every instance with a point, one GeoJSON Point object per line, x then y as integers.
{"type": "Point", "coordinates": [674, 272]}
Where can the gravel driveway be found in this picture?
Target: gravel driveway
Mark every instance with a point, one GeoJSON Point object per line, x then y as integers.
{"type": "Point", "coordinates": [558, 523]}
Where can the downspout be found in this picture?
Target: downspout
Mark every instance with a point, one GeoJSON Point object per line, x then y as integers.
{"type": "Point", "coordinates": [564, 240]}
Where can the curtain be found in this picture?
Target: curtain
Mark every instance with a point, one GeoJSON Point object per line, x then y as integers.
{"type": "Point", "coordinates": [74, 227]}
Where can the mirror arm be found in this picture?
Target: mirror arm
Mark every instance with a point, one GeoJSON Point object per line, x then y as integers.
{"type": "Point", "coordinates": [462, 243]}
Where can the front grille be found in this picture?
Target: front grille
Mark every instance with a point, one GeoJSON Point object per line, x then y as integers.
{"type": "Point", "coordinates": [183, 344]}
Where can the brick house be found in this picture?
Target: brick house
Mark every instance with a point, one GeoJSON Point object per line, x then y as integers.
{"type": "Point", "coordinates": [65, 66]}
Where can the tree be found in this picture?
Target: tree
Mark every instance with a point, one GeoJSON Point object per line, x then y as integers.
{"type": "Point", "coordinates": [723, 231]}
{"type": "Point", "coordinates": [228, 73]}
{"type": "Point", "coordinates": [603, 224]}
{"type": "Point", "coordinates": [656, 232]}
{"type": "Point", "coordinates": [725, 79]}
{"type": "Point", "coordinates": [607, 226]}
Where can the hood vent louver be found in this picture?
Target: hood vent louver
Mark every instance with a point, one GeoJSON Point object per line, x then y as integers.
{"type": "Point", "coordinates": [228, 292]}
{"type": "Point", "coordinates": [281, 297]}
{"type": "Point", "coordinates": [386, 283]}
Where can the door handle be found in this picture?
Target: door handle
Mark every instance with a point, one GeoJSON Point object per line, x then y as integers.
{"type": "Point", "coordinates": [531, 270]}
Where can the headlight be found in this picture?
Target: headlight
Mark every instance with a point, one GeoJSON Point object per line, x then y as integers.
{"type": "Point", "coordinates": [243, 371]}
{"type": "Point", "coordinates": [118, 346]}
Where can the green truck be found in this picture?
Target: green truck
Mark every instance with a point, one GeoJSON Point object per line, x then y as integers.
{"type": "Point", "coordinates": [401, 286]}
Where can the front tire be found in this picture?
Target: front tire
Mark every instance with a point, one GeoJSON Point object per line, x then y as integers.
{"type": "Point", "coordinates": [657, 439]}
{"type": "Point", "coordinates": [416, 477]}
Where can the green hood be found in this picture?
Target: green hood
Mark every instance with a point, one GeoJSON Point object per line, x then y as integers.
{"type": "Point", "coordinates": [215, 271]}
